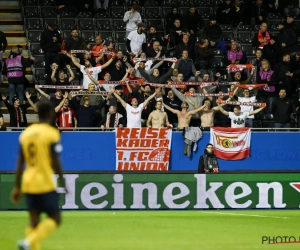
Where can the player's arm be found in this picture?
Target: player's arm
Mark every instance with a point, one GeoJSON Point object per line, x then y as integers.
{"type": "Point", "coordinates": [16, 193]}
{"type": "Point", "coordinates": [170, 109]}
{"type": "Point", "coordinates": [118, 97]}
{"type": "Point", "coordinates": [149, 121]}
{"type": "Point", "coordinates": [224, 112]}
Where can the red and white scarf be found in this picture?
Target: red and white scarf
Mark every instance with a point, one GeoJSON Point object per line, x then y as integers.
{"type": "Point", "coordinates": [261, 37]}
{"type": "Point", "coordinates": [116, 123]}
{"type": "Point", "coordinates": [17, 116]}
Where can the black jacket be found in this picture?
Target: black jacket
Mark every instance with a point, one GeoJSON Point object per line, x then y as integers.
{"type": "Point", "coordinates": [72, 44]}
{"type": "Point", "coordinates": [117, 75]}
{"type": "Point", "coordinates": [212, 32]}
{"type": "Point", "coordinates": [3, 41]}
{"type": "Point", "coordinates": [175, 104]}
{"type": "Point", "coordinates": [287, 36]}
{"type": "Point", "coordinates": [13, 114]}
{"type": "Point", "coordinates": [186, 67]}
{"type": "Point", "coordinates": [193, 22]}
{"type": "Point", "coordinates": [257, 11]}
{"type": "Point", "coordinates": [151, 38]}
{"type": "Point", "coordinates": [204, 57]}
{"type": "Point", "coordinates": [282, 110]}
{"type": "Point", "coordinates": [272, 53]}
{"type": "Point", "coordinates": [225, 17]}
{"type": "Point", "coordinates": [150, 52]}
{"type": "Point", "coordinates": [181, 47]}
{"type": "Point", "coordinates": [47, 43]}
{"type": "Point", "coordinates": [280, 76]}
{"type": "Point", "coordinates": [202, 166]}
{"type": "Point", "coordinates": [153, 79]}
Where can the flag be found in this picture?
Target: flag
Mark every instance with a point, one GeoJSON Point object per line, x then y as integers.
{"type": "Point", "coordinates": [231, 143]}
{"type": "Point", "coordinates": [143, 148]}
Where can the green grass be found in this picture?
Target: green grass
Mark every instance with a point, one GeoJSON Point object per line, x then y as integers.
{"type": "Point", "coordinates": [159, 230]}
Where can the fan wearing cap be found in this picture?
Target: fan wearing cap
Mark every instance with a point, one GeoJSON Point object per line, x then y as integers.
{"type": "Point", "coordinates": [287, 39]}
{"type": "Point", "coordinates": [50, 44]}
{"type": "Point", "coordinates": [17, 112]}
{"type": "Point", "coordinates": [136, 40]}
{"type": "Point", "coordinates": [2, 127]}
{"type": "Point", "coordinates": [94, 71]}
{"type": "Point", "coordinates": [290, 23]}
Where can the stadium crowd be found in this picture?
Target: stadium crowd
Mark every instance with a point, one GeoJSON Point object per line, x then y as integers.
{"type": "Point", "coordinates": [136, 86]}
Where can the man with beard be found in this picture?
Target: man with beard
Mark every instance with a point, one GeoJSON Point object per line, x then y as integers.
{"type": "Point", "coordinates": [173, 103]}
{"type": "Point", "coordinates": [117, 71]}
{"type": "Point", "coordinates": [283, 75]}
{"type": "Point", "coordinates": [94, 71]}
{"type": "Point", "coordinates": [136, 40]}
{"type": "Point", "coordinates": [156, 50]}
{"type": "Point", "coordinates": [238, 78]}
{"type": "Point", "coordinates": [153, 37]}
{"type": "Point", "coordinates": [185, 45]}
{"type": "Point", "coordinates": [208, 162]}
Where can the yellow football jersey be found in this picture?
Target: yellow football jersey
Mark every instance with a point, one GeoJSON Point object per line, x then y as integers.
{"type": "Point", "coordinates": [37, 144]}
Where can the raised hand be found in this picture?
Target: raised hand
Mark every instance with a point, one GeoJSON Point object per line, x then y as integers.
{"type": "Point", "coordinates": [27, 95]}
{"type": "Point", "coordinates": [66, 95]}
{"type": "Point", "coordinates": [112, 89]}
{"type": "Point", "coordinates": [68, 66]}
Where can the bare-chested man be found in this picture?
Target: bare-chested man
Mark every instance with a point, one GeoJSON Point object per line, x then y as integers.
{"type": "Point", "coordinates": [184, 116]}
{"type": "Point", "coordinates": [207, 115]}
{"type": "Point", "coordinates": [158, 118]}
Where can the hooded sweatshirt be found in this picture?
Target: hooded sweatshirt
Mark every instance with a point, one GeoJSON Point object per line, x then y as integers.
{"type": "Point", "coordinates": [208, 163]}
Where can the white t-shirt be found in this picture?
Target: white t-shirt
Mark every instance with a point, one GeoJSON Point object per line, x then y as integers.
{"type": "Point", "coordinates": [134, 116]}
{"type": "Point", "coordinates": [238, 121]}
{"type": "Point", "coordinates": [136, 41]}
{"type": "Point", "coordinates": [94, 71]}
{"type": "Point", "coordinates": [247, 108]}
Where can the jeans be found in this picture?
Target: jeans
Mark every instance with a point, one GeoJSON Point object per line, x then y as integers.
{"type": "Point", "coordinates": [20, 91]}
{"type": "Point", "coordinates": [249, 122]}
{"type": "Point", "coordinates": [282, 125]}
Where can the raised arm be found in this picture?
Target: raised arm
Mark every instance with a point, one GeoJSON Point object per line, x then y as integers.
{"type": "Point", "coordinates": [179, 94]}
{"type": "Point", "coordinates": [54, 69]}
{"type": "Point", "coordinates": [42, 92]}
{"type": "Point", "coordinates": [77, 64]}
{"type": "Point", "coordinates": [7, 104]}
{"type": "Point", "coordinates": [31, 102]}
{"type": "Point", "coordinates": [174, 111]}
{"type": "Point", "coordinates": [105, 65]}
{"type": "Point", "coordinates": [65, 97]}
{"type": "Point", "coordinates": [146, 102]}
{"type": "Point", "coordinates": [167, 120]}
{"type": "Point", "coordinates": [91, 77]}
{"type": "Point", "coordinates": [205, 92]}
{"type": "Point", "coordinates": [224, 112]}
{"type": "Point", "coordinates": [256, 111]}
{"type": "Point", "coordinates": [118, 97]}
{"type": "Point", "coordinates": [72, 76]}
{"type": "Point", "coordinates": [197, 110]}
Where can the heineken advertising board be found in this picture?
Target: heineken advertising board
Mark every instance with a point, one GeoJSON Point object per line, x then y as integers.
{"type": "Point", "coordinates": [171, 191]}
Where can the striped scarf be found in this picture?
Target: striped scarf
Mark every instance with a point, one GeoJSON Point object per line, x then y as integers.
{"type": "Point", "coordinates": [17, 116]}
{"type": "Point", "coordinates": [116, 123]}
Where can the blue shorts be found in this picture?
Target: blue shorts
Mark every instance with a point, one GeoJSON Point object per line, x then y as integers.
{"type": "Point", "coordinates": [47, 202]}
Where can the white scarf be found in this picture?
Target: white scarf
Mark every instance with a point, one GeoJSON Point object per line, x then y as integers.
{"type": "Point", "coordinates": [64, 113]}
{"type": "Point", "coordinates": [116, 123]}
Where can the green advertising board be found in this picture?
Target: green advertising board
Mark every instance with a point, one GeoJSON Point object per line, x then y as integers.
{"type": "Point", "coordinates": [171, 191]}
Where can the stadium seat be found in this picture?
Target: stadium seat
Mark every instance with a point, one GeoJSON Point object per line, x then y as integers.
{"type": "Point", "coordinates": [39, 61]}
{"type": "Point", "coordinates": [202, 3]}
{"type": "Point", "coordinates": [48, 3]}
{"type": "Point", "coordinates": [205, 15]}
{"type": "Point", "coordinates": [83, 14]}
{"type": "Point", "coordinates": [66, 14]}
{"type": "Point", "coordinates": [267, 121]}
{"type": "Point", "coordinates": [107, 35]}
{"type": "Point", "coordinates": [50, 20]}
{"type": "Point", "coordinates": [39, 74]}
{"type": "Point", "coordinates": [34, 35]}
{"type": "Point", "coordinates": [103, 24]}
{"type": "Point", "coordinates": [35, 49]}
{"type": "Point", "coordinates": [244, 37]}
{"type": "Point", "coordinates": [274, 18]}
{"type": "Point", "coordinates": [218, 63]}
{"type": "Point", "coordinates": [122, 46]}
{"type": "Point", "coordinates": [183, 10]}
{"type": "Point", "coordinates": [256, 28]}
{"type": "Point", "coordinates": [31, 12]}
{"type": "Point", "coordinates": [217, 52]}
{"type": "Point", "coordinates": [120, 36]}
{"type": "Point", "coordinates": [274, 27]}
{"type": "Point", "coordinates": [67, 33]}
{"type": "Point", "coordinates": [86, 24]}
{"type": "Point", "coordinates": [48, 12]}
{"type": "Point", "coordinates": [244, 28]}
{"type": "Point", "coordinates": [148, 3]}
{"type": "Point", "coordinates": [226, 27]}
{"type": "Point", "coordinates": [156, 23]}
{"type": "Point", "coordinates": [117, 12]}
{"type": "Point", "coordinates": [88, 35]}
{"type": "Point", "coordinates": [119, 25]}
{"type": "Point", "coordinates": [33, 24]}
{"type": "Point", "coordinates": [102, 15]}
{"type": "Point", "coordinates": [67, 23]}
{"type": "Point", "coordinates": [169, 2]}
{"type": "Point", "coordinates": [152, 13]}
{"type": "Point", "coordinates": [116, 3]}
{"type": "Point", "coordinates": [228, 36]}
{"type": "Point", "coordinates": [165, 11]}
{"type": "Point", "coordinates": [185, 3]}
{"type": "Point", "coordinates": [248, 49]}
{"type": "Point", "coordinates": [30, 2]}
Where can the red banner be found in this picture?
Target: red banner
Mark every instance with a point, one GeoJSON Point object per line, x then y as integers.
{"type": "Point", "coordinates": [143, 149]}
